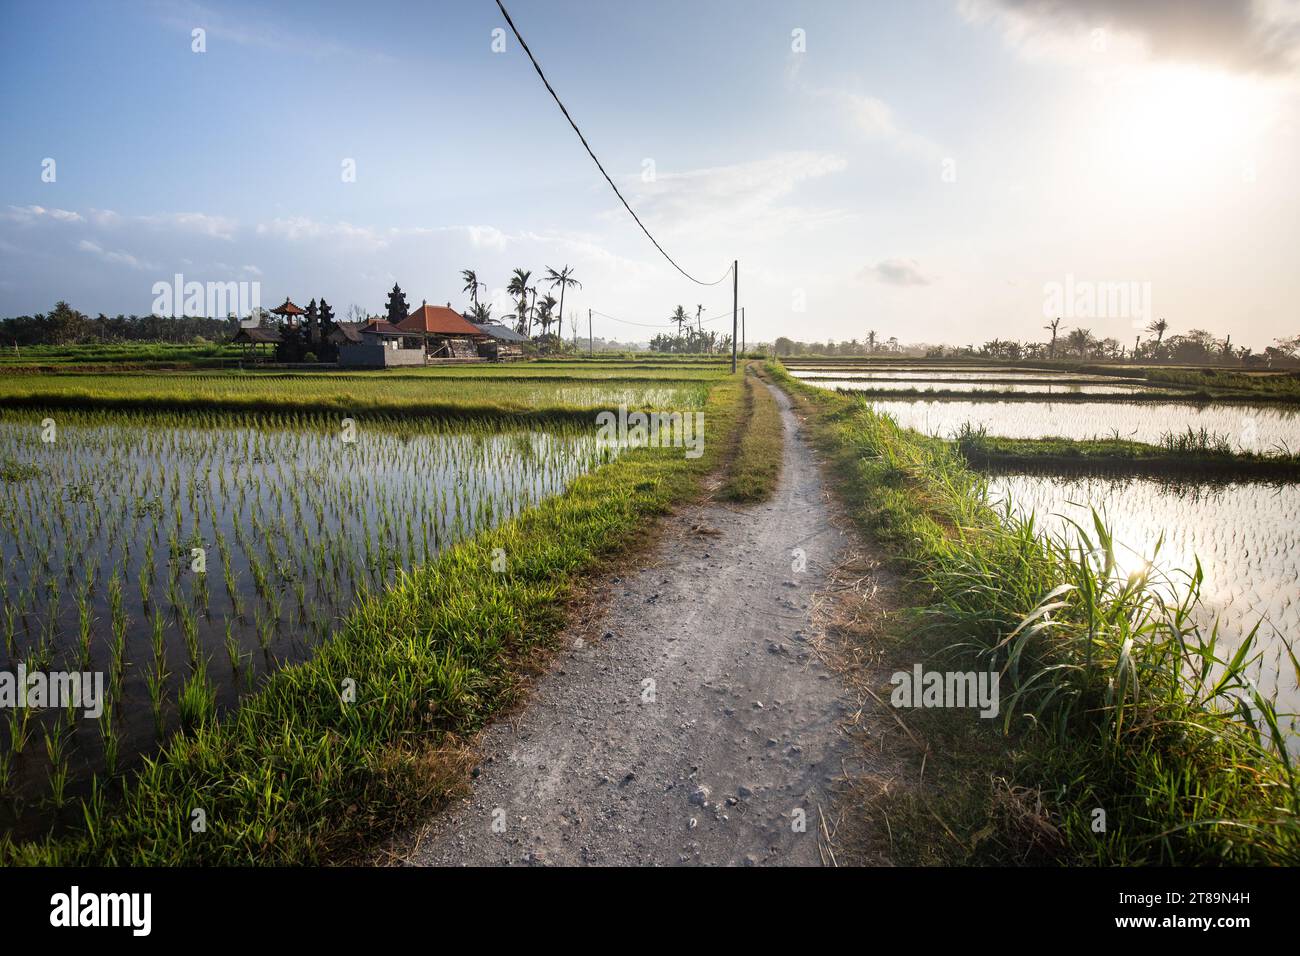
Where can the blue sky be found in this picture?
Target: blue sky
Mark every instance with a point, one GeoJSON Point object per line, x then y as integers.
{"type": "Point", "coordinates": [924, 169]}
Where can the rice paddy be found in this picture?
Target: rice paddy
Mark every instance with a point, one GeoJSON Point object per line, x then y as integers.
{"type": "Point", "coordinates": [426, 559]}
{"type": "Point", "coordinates": [186, 557]}
{"type": "Point", "coordinates": [998, 386]}
{"type": "Point", "coordinates": [1242, 535]}
{"type": "Point", "coordinates": [1152, 690]}
{"type": "Point", "coordinates": [1247, 429]}
{"type": "Point", "coordinates": [450, 392]}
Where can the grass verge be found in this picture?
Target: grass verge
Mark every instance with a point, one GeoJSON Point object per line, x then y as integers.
{"type": "Point", "coordinates": [333, 753]}
{"type": "Point", "coordinates": [1191, 454]}
{"type": "Point", "coordinates": [757, 462]}
{"type": "Point", "coordinates": [1113, 698]}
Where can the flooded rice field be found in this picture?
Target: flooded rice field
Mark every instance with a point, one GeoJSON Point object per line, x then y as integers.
{"type": "Point", "coordinates": [183, 563]}
{"type": "Point", "coordinates": [953, 375]}
{"type": "Point", "coordinates": [1246, 536]}
{"type": "Point", "coordinates": [1001, 385]}
{"type": "Point", "coordinates": [1257, 429]}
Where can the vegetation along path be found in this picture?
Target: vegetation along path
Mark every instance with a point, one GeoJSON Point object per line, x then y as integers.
{"type": "Point", "coordinates": [691, 720]}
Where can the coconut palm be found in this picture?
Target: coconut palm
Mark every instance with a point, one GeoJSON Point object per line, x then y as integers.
{"type": "Point", "coordinates": [1080, 340]}
{"type": "Point", "coordinates": [472, 285]}
{"type": "Point", "coordinates": [1158, 327]}
{"type": "Point", "coordinates": [564, 278]}
{"type": "Point", "coordinates": [518, 287]}
{"type": "Point", "coordinates": [1053, 326]}
{"type": "Point", "coordinates": [681, 318]}
{"type": "Point", "coordinates": [545, 313]}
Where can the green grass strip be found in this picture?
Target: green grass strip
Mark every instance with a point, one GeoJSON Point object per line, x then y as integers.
{"type": "Point", "coordinates": [757, 464]}
{"type": "Point", "coordinates": [1189, 455]}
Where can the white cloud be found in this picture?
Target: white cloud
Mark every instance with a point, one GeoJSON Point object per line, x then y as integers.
{"type": "Point", "coordinates": [899, 272]}
{"type": "Point", "coordinates": [1251, 36]}
{"type": "Point", "coordinates": [217, 227]}
{"type": "Point", "coordinates": [746, 198]}
{"type": "Point", "coordinates": [117, 257]}
{"type": "Point", "coordinates": [306, 229]}
{"type": "Point", "coordinates": [31, 214]}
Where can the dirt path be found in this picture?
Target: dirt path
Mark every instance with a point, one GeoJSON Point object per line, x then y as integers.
{"type": "Point", "coordinates": [737, 737]}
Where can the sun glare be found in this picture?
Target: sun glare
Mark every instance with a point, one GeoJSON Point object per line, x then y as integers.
{"type": "Point", "coordinates": [1177, 128]}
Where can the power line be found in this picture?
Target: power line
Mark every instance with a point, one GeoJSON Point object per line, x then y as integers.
{"type": "Point", "coordinates": [555, 96]}
{"type": "Point", "coordinates": [659, 325]}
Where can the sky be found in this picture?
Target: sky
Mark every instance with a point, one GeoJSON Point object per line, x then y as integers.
{"type": "Point", "coordinates": [932, 170]}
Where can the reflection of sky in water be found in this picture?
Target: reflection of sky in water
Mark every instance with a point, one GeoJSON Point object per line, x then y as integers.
{"type": "Point", "coordinates": [1246, 535]}
{"type": "Point", "coordinates": [1249, 429]}
{"type": "Point", "coordinates": [1040, 388]}
{"type": "Point", "coordinates": [937, 375]}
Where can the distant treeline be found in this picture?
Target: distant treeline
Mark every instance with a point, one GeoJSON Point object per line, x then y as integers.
{"type": "Point", "coordinates": [1197, 347]}
{"type": "Point", "coordinates": [64, 325]}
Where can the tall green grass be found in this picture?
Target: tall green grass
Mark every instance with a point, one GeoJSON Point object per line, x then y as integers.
{"type": "Point", "coordinates": [1116, 699]}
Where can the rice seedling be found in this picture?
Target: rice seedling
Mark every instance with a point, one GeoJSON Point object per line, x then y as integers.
{"type": "Point", "coordinates": [56, 753]}
{"type": "Point", "coordinates": [196, 703]}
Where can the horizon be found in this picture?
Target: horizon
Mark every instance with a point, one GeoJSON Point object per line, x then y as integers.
{"type": "Point", "coordinates": [923, 170]}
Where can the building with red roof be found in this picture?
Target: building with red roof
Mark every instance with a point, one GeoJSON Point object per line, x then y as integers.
{"type": "Point", "coordinates": [445, 332]}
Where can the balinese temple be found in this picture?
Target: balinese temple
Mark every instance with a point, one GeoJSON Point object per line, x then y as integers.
{"type": "Point", "coordinates": [289, 313]}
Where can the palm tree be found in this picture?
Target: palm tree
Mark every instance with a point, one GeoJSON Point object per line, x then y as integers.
{"type": "Point", "coordinates": [482, 312]}
{"type": "Point", "coordinates": [544, 313]}
{"type": "Point", "coordinates": [1080, 340]}
{"type": "Point", "coordinates": [681, 318]}
{"type": "Point", "coordinates": [564, 278]}
{"type": "Point", "coordinates": [472, 285]}
{"type": "Point", "coordinates": [1158, 327]}
{"type": "Point", "coordinates": [699, 326]}
{"type": "Point", "coordinates": [518, 287]}
{"type": "Point", "coordinates": [1053, 325]}
{"type": "Point", "coordinates": [871, 341]}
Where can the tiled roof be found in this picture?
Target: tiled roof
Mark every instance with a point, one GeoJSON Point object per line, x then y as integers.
{"type": "Point", "coordinates": [288, 309]}
{"type": "Point", "coordinates": [439, 320]}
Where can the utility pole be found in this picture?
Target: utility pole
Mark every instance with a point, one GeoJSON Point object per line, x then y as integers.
{"type": "Point", "coordinates": [742, 328]}
{"type": "Point", "coordinates": [735, 298]}
{"type": "Point", "coordinates": [591, 343]}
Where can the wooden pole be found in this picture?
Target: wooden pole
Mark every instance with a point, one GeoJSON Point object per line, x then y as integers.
{"type": "Point", "coordinates": [735, 298]}
{"type": "Point", "coordinates": [591, 343]}
{"type": "Point", "coordinates": [742, 328]}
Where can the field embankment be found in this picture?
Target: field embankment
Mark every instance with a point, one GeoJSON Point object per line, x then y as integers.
{"type": "Point", "coordinates": [1178, 456]}
{"type": "Point", "coordinates": [1132, 734]}
{"type": "Point", "coordinates": [760, 446]}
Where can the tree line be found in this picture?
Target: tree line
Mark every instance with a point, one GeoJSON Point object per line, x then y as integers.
{"type": "Point", "coordinates": [64, 325]}
{"type": "Point", "coordinates": [1195, 347]}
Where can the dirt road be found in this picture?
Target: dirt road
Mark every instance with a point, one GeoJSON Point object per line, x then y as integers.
{"type": "Point", "coordinates": [690, 721]}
